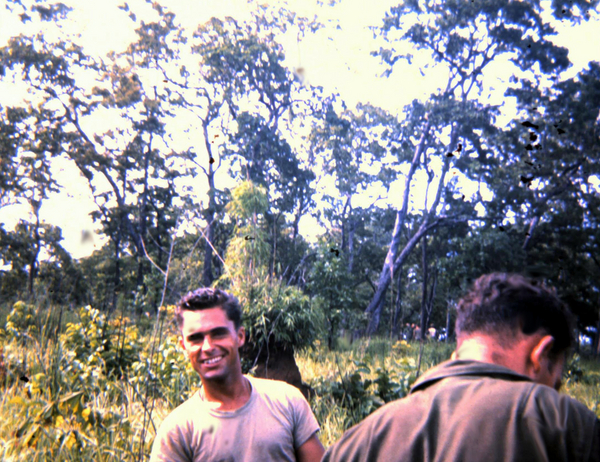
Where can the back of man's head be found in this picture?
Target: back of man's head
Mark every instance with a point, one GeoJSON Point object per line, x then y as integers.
{"type": "Point", "coordinates": [208, 297]}
{"type": "Point", "coordinates": [502, 305]}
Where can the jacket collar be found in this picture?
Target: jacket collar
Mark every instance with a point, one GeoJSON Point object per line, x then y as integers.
{"type": "Point", "coordinates": [462, 368]}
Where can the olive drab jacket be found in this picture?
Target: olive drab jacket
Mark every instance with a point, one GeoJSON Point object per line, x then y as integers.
{"type": "Point", "coordinates": [474, 411]}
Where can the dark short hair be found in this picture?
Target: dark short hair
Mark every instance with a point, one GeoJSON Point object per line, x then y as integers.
{"type": "Point", "coordinates": [501, 304]}
{"type": "Point", "coordinates": [205, 298]}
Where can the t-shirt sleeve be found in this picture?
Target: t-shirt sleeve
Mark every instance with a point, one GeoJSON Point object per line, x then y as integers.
{"type": "Point", "coordinates": [305, 422]}
{"type": "Point", "coordinates": [171, 443]}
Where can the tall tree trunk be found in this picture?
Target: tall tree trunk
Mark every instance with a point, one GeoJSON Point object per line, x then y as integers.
{"type": "Point", "coordinates": [117, 273]}
{"type": "Point", "coordinates": [273, 260]}
{"type": "Point", "coordinates": [383, 283]}
{"type": "Point", "coordinates": [344, 224]}
{"type": "Point", "coordinates": [408, 248]}
{"type": "Point", "coordinates": [398, 321]}
{"type": "Point", "coordinates": [448, 324]}
{"type": "Point", "coordinates": [142, 248]}
{"type": "Point", "coordinates": [376, 306]}
{"type": "Point", "coordinates": [351, 232]}
{"type": "Point", "coordinates": [33, 263]}
{"type": "Point", "coordinates": [424, 294]}
{"type": "Point", "coordinates": [209, 213]}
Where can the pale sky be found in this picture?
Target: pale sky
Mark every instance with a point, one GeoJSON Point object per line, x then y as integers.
{"type": "Point", "coordinates": [337, 59]}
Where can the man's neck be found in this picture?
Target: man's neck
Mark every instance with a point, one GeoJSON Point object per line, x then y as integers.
{"type": "Point", "coordinates": [487, 349]}
{"type": "Point", "coordinates": [228, 395]}
{"type": "Point", "coordinates": [478, 348]}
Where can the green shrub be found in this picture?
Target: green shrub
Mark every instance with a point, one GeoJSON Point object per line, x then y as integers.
{"type": "Point", "coordinates": [360, 395]}
{"type": "Point", "coordinates": [170, 373]}
{"type": "Point", "coordinates": [22, 322]}
{"type": "Point", "coordinates": [112, 345]}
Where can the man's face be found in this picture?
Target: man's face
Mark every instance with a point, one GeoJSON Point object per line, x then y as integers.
{"type": "Point", "coordinates": [211, 342]}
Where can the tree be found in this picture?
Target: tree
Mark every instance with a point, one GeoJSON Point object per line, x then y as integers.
{"type": "Point", "coordinates": [263, 97]}
{"type": "Point", "coordinates": [126, 166]}
{"type": "Point", "coordinates": [463, 39]}
{"type": "Point", "coordinates": [243, 100]}
{"type": "Point", "coordinates": [329, 282]}
{"type": "Point", "coordinates": [278, 318]}
{"type": "Point", "coordinates": [56, 279]}
{"type": "Point", "coordinates": [350, 148]}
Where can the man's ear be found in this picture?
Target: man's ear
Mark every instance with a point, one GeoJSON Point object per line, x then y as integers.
{"type": "Point", "coordinates": [181, 344]}
{"type": "Point", "coordinates": [541, 351]}
{"type": "Point", "coordinates": [241, 333]}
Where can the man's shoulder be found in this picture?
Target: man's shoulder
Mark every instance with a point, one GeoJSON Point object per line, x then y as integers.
{"type": "Point", "coordinates": [363, 439]}
{"type": "Point", "coordinates": [275, 389]}
{"type": "Point", "coordinates": [386, 417]}
{"type": "Point", "coordinates": [550, 404]}
{"type": "Point", "coordinates": [271, 385]}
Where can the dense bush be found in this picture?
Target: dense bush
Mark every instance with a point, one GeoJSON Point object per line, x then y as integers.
{"type": "Point", "coordinates": [360, 395]}
{"type": "Point", "coordinates": [82, 393]}
{"type": "Point", "coordinates": [22, 321]}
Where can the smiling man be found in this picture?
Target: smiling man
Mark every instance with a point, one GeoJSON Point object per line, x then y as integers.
{"type": "Point", "coordinates": [233, 417]}
{"type": "Point", "coordinates": [497, 398]}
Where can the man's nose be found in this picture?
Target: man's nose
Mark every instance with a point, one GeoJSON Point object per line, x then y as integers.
{"type": "Point", "coordinates": [207, 343]}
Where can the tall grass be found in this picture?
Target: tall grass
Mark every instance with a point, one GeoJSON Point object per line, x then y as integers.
{"type": "Point", "coordinates": [79, 395]}
{"type": "Point", "coordinates": [73, 386]}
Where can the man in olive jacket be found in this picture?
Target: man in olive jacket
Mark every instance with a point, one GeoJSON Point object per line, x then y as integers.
{"type": "Point", "coordinates": [497, 398]}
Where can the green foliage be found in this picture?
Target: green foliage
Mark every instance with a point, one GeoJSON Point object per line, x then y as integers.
{"type": "Point", "coordinates": [82, 393]}
{"type": "Point", "coordinates": [275, 315]}
{"type": "Point", "coordinates": [170, 374]}
{"type": "Point", "coordinates": [328, 283]}
{"type": "Point", "coordinates": [278, 315]}
{"type": "Point", "coordinates": [360, 395]}
{"type": "Point", "coordinates": [573, 371]}
{"type": "Point", "coordinates": [57, 279]}
{"type": "Point", "coordinates": [23, 321]}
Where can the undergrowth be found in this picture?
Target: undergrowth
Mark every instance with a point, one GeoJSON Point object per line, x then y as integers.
{"type": "Point", "coordinates": [77, 386]}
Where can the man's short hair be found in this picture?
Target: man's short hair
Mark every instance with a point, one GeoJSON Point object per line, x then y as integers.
{"type": "Point", "coordinates": [501, 304]}
{"type": "Point", "coordinates": [205, 298]}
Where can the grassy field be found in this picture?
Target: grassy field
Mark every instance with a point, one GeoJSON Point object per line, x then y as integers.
{"type": "Point", "coordinates": [82, 388]}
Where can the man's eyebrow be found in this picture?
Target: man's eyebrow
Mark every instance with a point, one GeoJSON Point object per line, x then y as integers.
{"type": "Point", "coordinates": [199, 334]}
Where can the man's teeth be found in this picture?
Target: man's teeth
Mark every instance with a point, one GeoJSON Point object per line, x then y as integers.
{"type": "Point", "coordinates": [212, 360]}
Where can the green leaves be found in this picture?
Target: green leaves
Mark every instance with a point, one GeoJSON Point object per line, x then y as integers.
{"type": "Point", "coordinates": [21, 322]}
{"type": "Point", "coordinates": [360, 396]}
{"type": "Point", "coordinates": [467, 36]}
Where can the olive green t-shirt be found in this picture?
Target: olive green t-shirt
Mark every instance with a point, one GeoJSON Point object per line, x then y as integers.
{"type": "Point", "coordinates": [474, 411]}
{"type": "Point", "coordinates": [274, 422]}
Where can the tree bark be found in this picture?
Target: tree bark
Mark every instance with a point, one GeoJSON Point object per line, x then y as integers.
{"type": "Point", "coordinates": [33, 263]}
{"type": "Point", "coordinates": [398, 321]}
{"type": "Point", "coordinates": [424, 294]}
{"type": "Point", "coordinates": [209, 212]}
{"type": "Point", "coordinates": [376, 306]}
{"type": "Point", "coordinates": [410, 245]}
{"type": "Point", "coordinates": [351, 232]}
{"type": "Point", "coordinates": [385, 276]}
{"type": "Point", "coordinates": [448, 324]}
